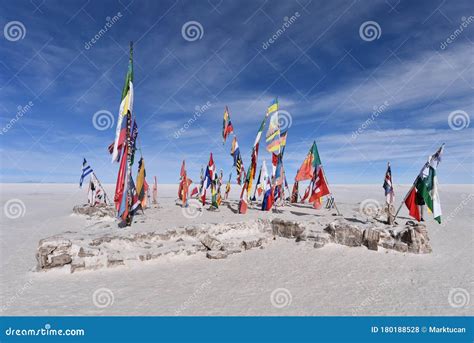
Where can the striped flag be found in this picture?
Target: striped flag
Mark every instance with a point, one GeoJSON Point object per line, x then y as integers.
{"type": "Point", "coordinates": [320, 187]}
{"type": "Point", "coordinates": [273, 134]}
{"type": "Point", "coordinates": [86, 170]}
{"type": "Point", "coordinates": [388, 186]}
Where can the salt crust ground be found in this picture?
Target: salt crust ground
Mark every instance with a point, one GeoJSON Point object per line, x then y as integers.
{"type": "Point", "coordinates": [333, 280]}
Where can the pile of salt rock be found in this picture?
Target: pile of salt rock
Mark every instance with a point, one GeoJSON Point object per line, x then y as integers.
{"type": "Point", "coordinates": [95, 250]}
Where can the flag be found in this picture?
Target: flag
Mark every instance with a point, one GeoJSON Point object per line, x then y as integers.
{"type": "Point", "coordinates": [133, 141]}
{"type": "Point", "coordinates": [273, 134]}
{"type": "Point", "coordinates": [254, 157]}
{"type": "Point", "coordinates": [141, 183]}
{"type": "Point", "coordinates": [195, 191]}
{"type": "Point", "coordinates": [320, 187]}
{"type": "Point", "coordinates": [425, 189]}
{"type": "Point", "coordinates": [135, 203]}
{"type": "Point", "coordinates": [262, 179]}
{"type": "Point", "coordinates": [268, 199]}
{"type": "Point", "coordinates": [235, 153]}
{"type": "Point", "coordinates": [182, 173]}
{"type": "Point", "coordinates": [227, 127]}
{"type": "Point", "coordinates": [243, 199]}
{"type": "Point", "coordinates": [126, 106]}
{"type": "Point", "coordinates": [99, 195]}
{"type": "Point", "coordinates": [258, 185]}
{"type": "Point", "coordinates": [294, 193]}
{"type": "Point", "coordinates": [412, 205]}
{"type": "Point", "coordinates": [214, 196]}
{"type": "Point", "coordinates": [184, 184]}
{"type": "Point", "coordinates": [273, 107]}
{"type": "Point", "coordinates": [208, 178]}
{"type": "Point", "coordinates": [121, 184]}
{"type": "Point", "coordinates": [91, 192]}
{"type": "Point", "coordinates": [427, 186]}
{"type": "Point", "coordinates": [279, 173]}
{"type": "Point", "coordinates": [86, 170]}
{"type": "Point", "coordinates": [227, 187]}
{"type": "Point", "coordinates": [308, 167]}
{"type": "Point", "coordinates": [283, 136]}
{"type": "Point", "coordinates": [306, 193]}
{"type": "Point", "coordinates": [388, 186]}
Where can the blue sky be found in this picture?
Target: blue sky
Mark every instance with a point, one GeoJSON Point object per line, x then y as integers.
{"type": "Point", "coordinates": [404, 91]}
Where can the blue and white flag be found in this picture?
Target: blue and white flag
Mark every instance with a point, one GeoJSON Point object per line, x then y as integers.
{"type": "Point", "coordinates": [86, 170]}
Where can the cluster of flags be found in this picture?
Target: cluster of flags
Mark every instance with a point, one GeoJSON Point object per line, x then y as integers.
{"type": "Point", "coordinates": [424, 190]}
{"type": "Point", "coordinates": [246, 189]}
{"type": "Point", "coordinates": [312, 169]}
{"type": "Point", "coordinates": [96, 193]}
{"type": "Point", "coordinates": [130, 196]}
{"type": "Point", "coordinates": [210, 180]}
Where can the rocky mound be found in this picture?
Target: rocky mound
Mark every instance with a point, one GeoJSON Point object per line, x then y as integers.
{"type": "Point", "coordinates": [217, 241]}
{"type": "Point", "coordinates": [97, 211]}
